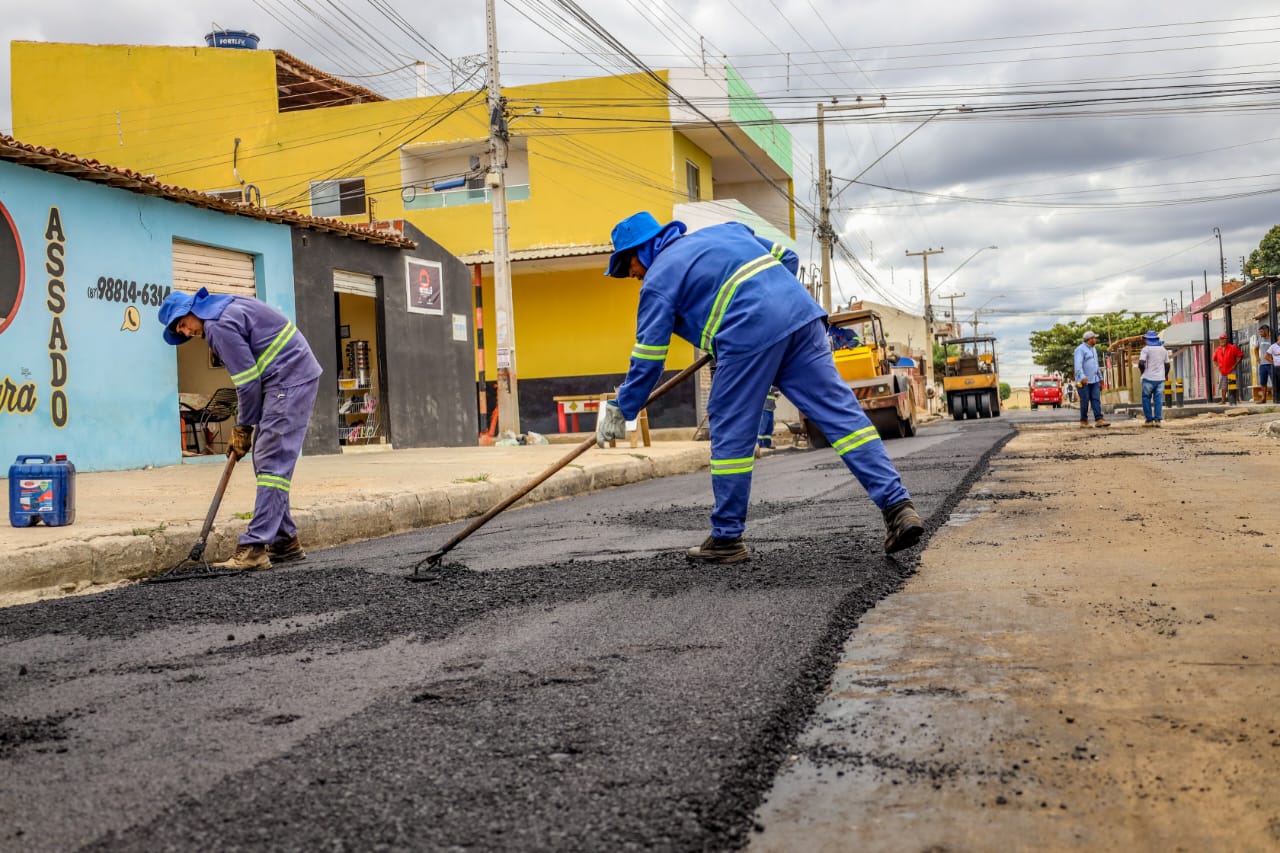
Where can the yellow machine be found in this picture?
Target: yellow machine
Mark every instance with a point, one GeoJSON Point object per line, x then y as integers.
{"type": "Point", "coordinates": [861, 356]}
{"type": "Point", "coordinates": [972, 379]}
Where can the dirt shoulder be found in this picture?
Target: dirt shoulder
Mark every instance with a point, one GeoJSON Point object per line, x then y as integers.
{"type": "Point", "coordinates": [1087, 660]}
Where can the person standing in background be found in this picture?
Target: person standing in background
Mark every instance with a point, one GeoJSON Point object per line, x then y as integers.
{"type": "Point", "coordinates": [1226, 356]}
{"type": "Point", "coordinates": [1153, 361]}
{"type": "Point", "coordinates": [1088, 378]}
{"type": "Point", "coordinates": [1262, 344]}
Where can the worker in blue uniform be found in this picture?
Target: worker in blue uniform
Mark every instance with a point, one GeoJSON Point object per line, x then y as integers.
{"type": "Point", "coordinates": [736, 296]}
{"type": "Point", "coordinates": [276, 377]}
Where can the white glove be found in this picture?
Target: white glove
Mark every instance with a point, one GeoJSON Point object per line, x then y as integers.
{"type": "Point", "coordinates": [610, 424]}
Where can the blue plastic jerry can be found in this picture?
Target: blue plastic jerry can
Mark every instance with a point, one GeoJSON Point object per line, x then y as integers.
{"type": "Point", "coordinates": [43, 491]}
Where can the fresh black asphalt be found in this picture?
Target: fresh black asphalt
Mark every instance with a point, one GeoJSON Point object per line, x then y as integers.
{"type": "Point", "coordinates": [566, 681]}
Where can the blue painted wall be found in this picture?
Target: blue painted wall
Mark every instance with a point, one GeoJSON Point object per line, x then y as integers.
{"type": "Point", "coordinates": [115, 405]}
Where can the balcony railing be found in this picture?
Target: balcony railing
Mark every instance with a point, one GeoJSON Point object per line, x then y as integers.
{"type": "Point", "coordinates": [429, 199]}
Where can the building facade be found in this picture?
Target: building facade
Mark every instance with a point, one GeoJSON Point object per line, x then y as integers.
{"type": "Point", "coordinates": [582, 155]}
{"type": "Point", "coordinates": [88, 253]}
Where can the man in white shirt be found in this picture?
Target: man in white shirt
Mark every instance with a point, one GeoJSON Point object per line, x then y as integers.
{"type": "Point", "coordinates": [1272, 357]}
{"type": "Point", "coordinates": [1153, 361]}
{"type": "Point", "coordinates": [1262, 342]}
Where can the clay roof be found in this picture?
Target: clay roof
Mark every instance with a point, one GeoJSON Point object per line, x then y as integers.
{"type": "Point", "coordinates": [53, 160]}
{"type": "Point", "coordinates": [300, 86]}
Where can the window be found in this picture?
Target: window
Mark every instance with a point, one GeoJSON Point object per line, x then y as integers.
{"type": "Point", "coordinates": [691, 179]}
{"type": "Point", "coordinates": [337, 198]}
{"type": "Point", "coordinates": [227, 195]}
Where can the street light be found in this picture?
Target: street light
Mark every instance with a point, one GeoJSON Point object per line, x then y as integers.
{"type": "Point", "coordinates": [826, 236]}
{"type": "Point", "coordinates": [1222, 261]}
{"type": "Point", "coordinates": [962, 263]}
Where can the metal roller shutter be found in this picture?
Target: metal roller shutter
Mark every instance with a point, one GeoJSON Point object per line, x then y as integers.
{"type": "Point", "coordinates": [355, 283]}
{"type": "Point", "coordinates": [220, 270]}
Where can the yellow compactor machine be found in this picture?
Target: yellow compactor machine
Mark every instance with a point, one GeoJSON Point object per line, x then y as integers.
{"type": "Point", "coordinates": [862, 357]}
{"type": "Point", "coordinates": [972, 379]}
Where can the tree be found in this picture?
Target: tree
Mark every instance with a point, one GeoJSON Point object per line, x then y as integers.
{"type": "Point", "coordinates": [1266, 258]}
{"type": "Point", "coordinates": [940, 354]}
{"type": "Point", "coordinates": [1005, 391]}
{"type": "Point", "coordinates": [1054, 349]}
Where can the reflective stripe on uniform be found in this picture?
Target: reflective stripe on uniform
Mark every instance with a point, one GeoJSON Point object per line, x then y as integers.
{"type": "Point", "coordinates": [855, 439]}
{"type": "Point", "coordinates": [725, 296]}
{"type": "Point", "coordinates": [778, 250]}
{"type": "Point", "coordinates": [271, 481]}
{"type": "Point", "coordinates": [268, 356]}
{"type": "Point", "coordinates": [732, 466]}
{"type": "Point", "coordinates": [649, 353]}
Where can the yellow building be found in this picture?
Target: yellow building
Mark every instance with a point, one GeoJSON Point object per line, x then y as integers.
{"type": "Point", "coordinates": [582, 155]}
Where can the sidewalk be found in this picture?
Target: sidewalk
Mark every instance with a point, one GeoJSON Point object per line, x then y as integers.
{"type": "Point", "coordinates": [133, 524]}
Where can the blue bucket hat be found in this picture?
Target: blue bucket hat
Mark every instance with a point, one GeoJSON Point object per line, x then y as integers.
{"type": "Point", "coordinates": [632, 232]}
{"type": "Point", "coordinates": [1152, 337]}
{"type": "Point", "coordinates": [177, 305]}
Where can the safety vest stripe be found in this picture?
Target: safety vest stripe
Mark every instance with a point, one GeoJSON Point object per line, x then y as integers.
{"type": "Point", "coordinates": [732, 466]}
{"type": "Point", "coordinates": [245, 376]}
{"type": "Point", "coordinates": [649, 353]}
{"type": "Point", "coordinates": [268, 355]}
{"type": "Point", "coordinates": [725, 296]}
{"type": "Point", "coordinates": [778, 250]}
{"type": "Point", "coordinates": [855, 439]}
{"type": "Point", "coordinates": [273, 482]}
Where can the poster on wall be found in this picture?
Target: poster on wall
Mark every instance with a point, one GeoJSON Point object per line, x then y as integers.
{"type": "Point", "coordinates": [425, 280]}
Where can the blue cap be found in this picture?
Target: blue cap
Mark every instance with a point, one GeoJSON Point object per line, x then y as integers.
{"type": "Point", "coordinates": [636, 230]}
{"type": "Point", "coordinates": [176, 306]}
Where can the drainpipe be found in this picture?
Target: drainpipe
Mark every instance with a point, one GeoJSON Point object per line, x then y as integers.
{"type": "Point", "coordinates": [1208, 360]}
{"type": "Point", "coordinates": [481, 390]}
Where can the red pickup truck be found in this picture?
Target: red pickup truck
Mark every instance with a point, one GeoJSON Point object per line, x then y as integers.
{"type": "Point", "coordinates": [1046, 391]}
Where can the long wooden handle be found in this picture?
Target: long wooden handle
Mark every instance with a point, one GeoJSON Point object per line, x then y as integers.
{"type": "Point", "coordinates": [545, 475]}
{"type": "Point", "coordinates": [197, 551]}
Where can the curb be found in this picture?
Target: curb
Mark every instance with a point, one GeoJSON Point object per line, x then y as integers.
{"type": "Point", "coordinates": [71, 566]}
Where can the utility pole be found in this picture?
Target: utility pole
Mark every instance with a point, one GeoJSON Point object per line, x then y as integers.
{"type": "Point", "coordinates": [495, 180]}
{"type": "Point", "coordinates": [928, 320]}
{"type": "Point", "coordinates": [1222, 261]}
{"type": "Point", "coordinates": [826, 236]}
{"type": "Point", "coordinates": [954, 321]}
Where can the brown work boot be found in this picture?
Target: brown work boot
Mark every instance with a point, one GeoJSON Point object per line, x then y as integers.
{"type": "Point", "coordinates": [1084, 424]}
{"type": "Point", "coordinates": [286, 551]}
{"type": "Point", "coordinates": [903, 526]}
{"type": "Point", "coordinates": [247, 558]}
{"type": "Point", "coordinates": [1101, 423]}
{"type": "Point", "coordinates": [715, 550]}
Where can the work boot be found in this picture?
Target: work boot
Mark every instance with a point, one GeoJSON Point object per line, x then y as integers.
{"type": "Point", "coordinates": [715, 550]}
{"type": "Point", "coordinates": [1084, 424]}
{"type": "Point", "coordinates": [247, 558]}
{"type": "Point", "coordinates": [286, 551]}
{"type": "Point", "coordinates": [902, 525]}
{"type": "Point", "coordinates": [1101, 423]}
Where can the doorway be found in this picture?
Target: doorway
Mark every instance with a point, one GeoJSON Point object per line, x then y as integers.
{"type": "Point", "coordinates": [361, 420]}
{"type": "Point", "coordinates": [206, 395]}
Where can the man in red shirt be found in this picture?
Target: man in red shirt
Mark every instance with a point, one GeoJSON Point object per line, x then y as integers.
{"type": "Point", "coordinates": [1227, 356]}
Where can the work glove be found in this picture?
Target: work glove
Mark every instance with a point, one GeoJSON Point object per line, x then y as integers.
{"type": "Point", "coordinates": [610, 424]}
{"type": "Point", "coordinates": [241, 442]}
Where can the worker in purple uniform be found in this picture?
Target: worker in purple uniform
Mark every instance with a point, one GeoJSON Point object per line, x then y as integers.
{"type": "Point", "coordinates": [736, 296]}
{"type": "Point", "coordinates": [276, 378]}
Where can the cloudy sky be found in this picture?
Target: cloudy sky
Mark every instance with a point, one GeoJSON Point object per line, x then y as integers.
{"type": "Point", "coordinates": [1096, 144]}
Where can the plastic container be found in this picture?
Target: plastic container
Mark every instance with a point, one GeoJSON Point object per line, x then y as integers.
{"type": "Point", "coordinates": [855, 363]}
{"type": "Point", "coordinates": [44, 491]}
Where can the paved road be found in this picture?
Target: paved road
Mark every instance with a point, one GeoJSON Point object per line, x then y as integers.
{"type": "Point", "coordinates": [576, 685]}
